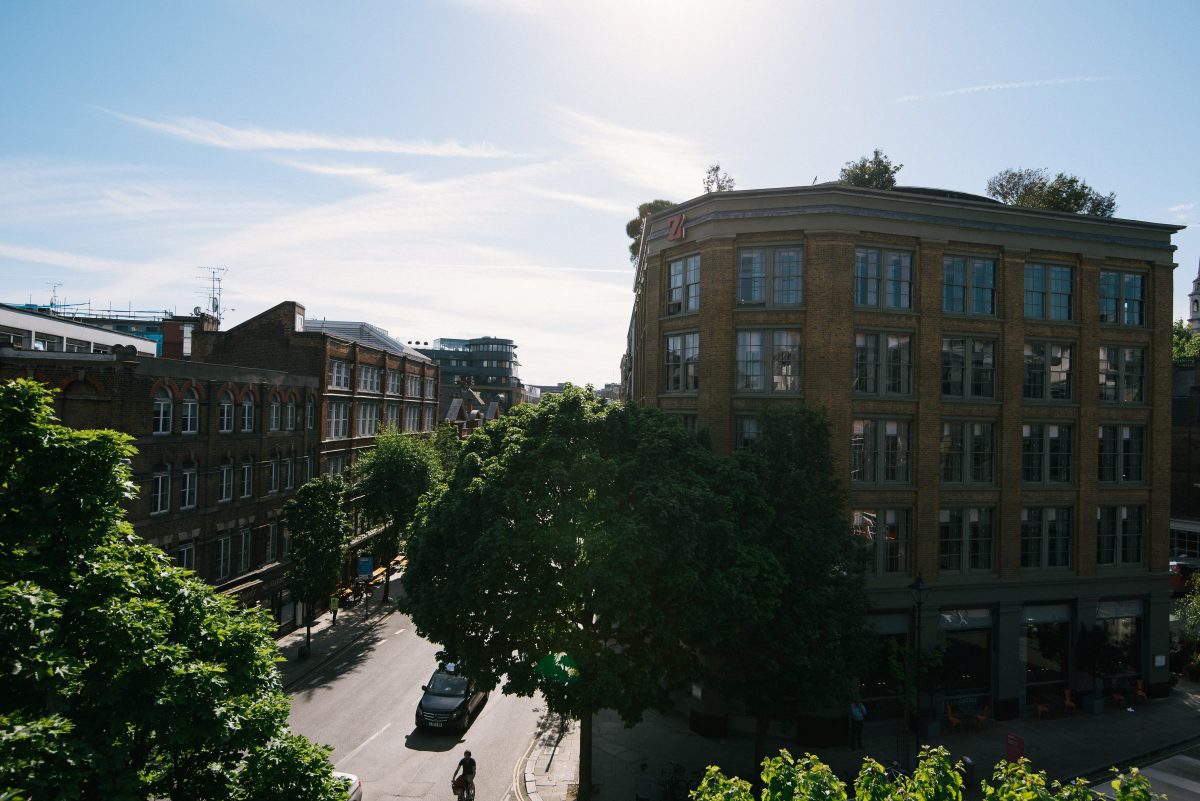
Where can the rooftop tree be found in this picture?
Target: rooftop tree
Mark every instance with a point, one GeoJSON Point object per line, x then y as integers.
{"type": "Point", "coordinates": [581, 551]}
{"type": "Point", "coordinates": [876, 172]}
{"type": "Point", "coordinates": [1036, 189]}
{"type": "Point", "coordinates": [633, 228]}
{"type": "Point", "coordinates": [125, 676]}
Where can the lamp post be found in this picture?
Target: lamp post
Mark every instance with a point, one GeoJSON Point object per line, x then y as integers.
{"type": "Point", "coordinates": [920, 592]}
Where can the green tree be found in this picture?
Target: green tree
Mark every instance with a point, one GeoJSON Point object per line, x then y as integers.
{"type": "Point", "coordinates": [633, 228]}
{"type": "Point", "coordinates": [1036, 189]}
{"type": "Point", "coordinates": [717, 181]}
{"type": "Point", "coordinates": [125, 676]}
{"type": "Point", "coordinates": [876, 172]}
{"type": "Point", "coordinates": [448, 446]}
{"type": "Point", "coordinates": [389, 480]}
{"type": "Point", "coordinates": [817, 637]}
{"type": "Point", "coordinates": [581, 550]}
{"type": "Point", "coordinates": [1185, 344]}
{"type": "Point", "coordinates": [320, 536]}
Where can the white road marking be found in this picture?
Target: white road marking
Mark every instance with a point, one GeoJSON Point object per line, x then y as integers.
{"type": "Point", "coordinates": [401, 631]}
{"type": "Point", "coordinates": [351, 755]}
{"type": "Point", "coordinates": [385, 639]}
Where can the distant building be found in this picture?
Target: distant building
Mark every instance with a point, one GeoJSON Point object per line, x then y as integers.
{"type": "Point", "coordinates": [489, 365]}
{"type": "Point", "coordinates": [171, 333]}
{"type": "Point", "coordinates": [33, 329]}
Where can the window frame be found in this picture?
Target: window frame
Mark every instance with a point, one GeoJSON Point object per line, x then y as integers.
{"type": "Point", "coordinates": [771, 277]}
{"type": "Point", "coordinates": [969, 454]}
{"type": "Point", "coordinates": [160, 491]}
{"type": "Point", "coordinates": [1045, 453]}
{"type": "Point", "coordinates": [1124, 458]}
{"type": "Point", "coordinates": [366, 418]}
{"type": "Point", "coordinates": [970, 367]}
{"type": "Point", "coordinates": [968, 304]}
{"type": "Point", "coordinates": [246, 480]}
{"type": "Point", "coordinates": [1045, 539]}
{"type": "Point", "coordinates": [683, 296]}
{"type": "Point", "coordinates": [247, 413]}
{"type": "Point", "coordinates": [275, 415]}
{"type": "Point", "coordinates": [769, 381]}
{"type": "Point", "coordinates": [876, 365]}
{"type": "Point", "coordinates": [1118, 389]}
{"type": "Point", "coordinates": [337, 420]}
{"type": "Point", "coordinates": [682, 376]}
{"type": "Point", "coordinates": [189, 480]}
{"type": "Point", "coordinates": [966, 540]}
{"type": "Point", "coordinates": [339, 374]}
{"type": "Point", "coordinates": [1049, 296]}
{"type": "Point", "coordinates": [879, 457]}
{"type": "Point", "coordinates": [189, 421]}
{"type": "Point", "coordinates": [1046, 383]}
{"type": "Point", "coordinates": [224, 557]}
{"type": "Point", "coordinates": [1121, 540]}
{"type": "Point", "coordinates": [164, 411]}
{"type": "Point", "coordinates": [1121, 302]}
{"type": "Point", "coordinates": [885, 560]}
{"type": "Point", "coordinates": [877, 288]}
{"type": "Point", "coordinates": [225, 482]}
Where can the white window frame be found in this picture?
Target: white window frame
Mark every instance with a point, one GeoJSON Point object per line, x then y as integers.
{"type": "Point", "coordinates": [367, 423]}
{"type": "Point", "coordinates": [276, 415]}
{"type": "Point", "coordinates": [430, 388]}
{"type": "Point", "coordinates": [188, 482]}
{"type": "Point", "coordinates": [190, 419]}
{"type": "Point", "coordinates": [244, 543]}
{"type": "Point", "coordinates": [337, 420]}
{"type": "Point", "coordinates": [225, 409]}
{"type": "Point", "coordinates": [225, 482]}
{"type": "Point", "coordinates": [160, 492]}
{"type": "Point", "coordinates": [339, 374]}
{"type": "Point", "coordinates": [185, 556]}
{"type": "Point", "coordinates": [273, 475]}
{"type": "Point", "coordinates": [224, 557]}
{"type": "Point", "coordinates": [682, 365]}
{"type": "Point", "coordinates": [412, 418]}
{"type": "Point", "coordinates": [683, 285]}
{"type": "Point", "coordinates": [163, 412]}
{"type": "Point", "coordinates": [246, 484]}
{"type": "Point", "coordinates": [248, 413]}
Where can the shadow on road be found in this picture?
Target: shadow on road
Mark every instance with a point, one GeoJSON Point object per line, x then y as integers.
{"type": "Point", "coordinates": [345, 661]}
{"type": "Point", "coordinates": [418, 740]}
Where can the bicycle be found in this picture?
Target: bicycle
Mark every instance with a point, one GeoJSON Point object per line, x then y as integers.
{"type": "Point", "coordinates": [463, 791]}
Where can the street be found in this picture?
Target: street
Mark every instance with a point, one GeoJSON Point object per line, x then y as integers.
{"type": "Point", "coordinates": [362, 703]}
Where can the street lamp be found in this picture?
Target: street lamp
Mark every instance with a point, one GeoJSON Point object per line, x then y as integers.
{"type": "Point", "coordinates": [920, 592]}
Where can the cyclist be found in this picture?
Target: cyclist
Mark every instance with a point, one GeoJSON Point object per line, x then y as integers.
{"type": "Point", "coordinates": [467, 766]}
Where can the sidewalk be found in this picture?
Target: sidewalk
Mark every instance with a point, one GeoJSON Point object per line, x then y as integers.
{"type": "Point", "coordinates": [1065, 747]}
{"type": "Point", "coordinates": [328, 640]}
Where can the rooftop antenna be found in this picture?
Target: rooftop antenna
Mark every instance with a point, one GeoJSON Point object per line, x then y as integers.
{"type": "Point", "coordinates": [215, 275]}
{"type": "Point", "coordinates": [53, 294]}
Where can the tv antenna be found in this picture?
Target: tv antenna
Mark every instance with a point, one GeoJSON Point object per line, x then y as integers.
{"type": "Point", "coordinates": [213, 293]}
{"type": "Point", "coordinates": [53, 293]}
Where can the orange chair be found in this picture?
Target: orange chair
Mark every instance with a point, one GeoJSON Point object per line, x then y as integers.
{"type": "Point", "coordinates": [1140, 693]}
{"type": "Point", "coordinates": [981, 718]}
{"type": "Point", "coordinates": [1068, 704]}
{"type": "Point", "coordinates": [952, 719]}
{"type": "Point", "coordinates": [1041, 709]}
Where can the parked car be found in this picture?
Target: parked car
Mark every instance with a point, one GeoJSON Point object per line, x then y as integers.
{"type": "Point", "coordinates": [354, 790]}
{"type": "Point", "coordinates": [451, 700]}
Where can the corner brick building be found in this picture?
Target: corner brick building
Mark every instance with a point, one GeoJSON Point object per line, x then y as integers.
{"type": "Point", "coordinates": [998, 381]}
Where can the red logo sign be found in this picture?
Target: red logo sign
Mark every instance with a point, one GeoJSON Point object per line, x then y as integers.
{"type": "Point", "coordinates": [675, 229]}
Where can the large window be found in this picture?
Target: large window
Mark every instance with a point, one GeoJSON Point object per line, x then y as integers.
{"type": "Point", "coordinates": [369, 378]}
{"type": "Point", "coordinates": [225, 482]}
{"type": "Point", "coordinates": [412, 417]}
{"type": "Point", "coordinates": [273, 475]}
{"type": "Point", "coordinates": [225, 412]}
{"type": "Point", "coordinates": [243, 550]}
{"type": "Point", "coordinates": [338, 420]}
{"type": "Point", "coordinates": [248, 412]}
{"type": "Point", "coordinates": [1122, 454]}
{"type": "Point", "coordinates": [427, 418]}
{"type": "Point", "coordinates": [247, 482]}
{"type": "Point", "coordinates": [1122, 375]}
{"type": "Point", "coordinates": [160, 491]}
{"type": "Point", "coordinates": [289, 473]}
{"type": "Point", "coordinates": [884, 532]}
{"type": "Point", "coordinates": [883, 363]}
{"type": "Point", "coordinates": [776, 351]}
{"type": "Point", "coordinates": [879, 452]}
{"type": "Point", "coordinates": [1046, 453]}
{"type": "Point", "coordinates": [1119, 535]}
{"type": "Point", "coordinates": [966, 539]}
{"type": "Point", "coordinates": [683, 288]}
{"type": "Point", "coordinates": [191, 412]}
{"type": "Point", "coordinates": [683, 356]}
{"type": "Point", "coordinates": [770, 276]}
{"type": "Point", "coordinates": [223, 558]}
{"type": "Point", "coordinates": [185, 557]}
{"type": "Point", "coordinates": [968, 285]}
{"type": "Point", "coordinates": [1123, 298]}
{"type": "Point", "coordinates": [368, 418]}
{"type": "Point", "coordinates": [275, 414]}
{"type": "Point", "coordinates": [187, 487]}
{"type": "Point", "coordinates": [1046, 536]}
{"type": "Point", "coordinates": [745, 429]}
{"type": "Point", "coordinates": [394, 381]}
{"type": "Point", "coordinates": [290, 416]}
{"type": "Point", "coordinates": [882, 278]}
{"type": "Point", "coordinates": [1048, 371]}
{"type": "Point", "coordinates": [968, 453]}
{"type": "Point", "coordinates": [339, 374]}
{"type": "Point", "coordinates": [968, 368]}
{"type": "Point", "coordinates": [162, 412]}
{"type": "Point", "coordinates": [1048, 292]}
{"type": "Point", "coordinates": [430, 388]}
{"type": "Point", "coordinates": [412, 386]}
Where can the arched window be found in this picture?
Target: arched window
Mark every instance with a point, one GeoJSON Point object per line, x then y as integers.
{"type": "Point", "coordinates": [191, 412]}
{"type": "Point", "coordinates": [162, 412]}
{"type": "Point", "coordinates": [276, 413]}
{"type": "Point", "coordinates": [248, 412]}
{"type": "Point", "coordinates": [226, 412]}
{"type": "Point", "coordinates": [290, 417]}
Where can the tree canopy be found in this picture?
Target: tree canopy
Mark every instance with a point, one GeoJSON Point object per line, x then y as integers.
{"type": "Point", "coordinates": [389, 480]}
{"type": "Point", "coordinates": [586, 551]}
{"type": "Point", "coordinates": [1185, 343]}
{"type": "Point", "coordinates": [126, 677]}
{"type": "Point", "coordinates": [717, 181]}
{"type": "Point", "coordinates": [817, 637]}
{"type": "Point", "coordinates": [633, 228]}
{"type": "Point", "coordinates": [875, 171]}
{"type": "Point", "coordinates": [1036, 189]}
{"type": "Point", "coordinates": [320, 535]}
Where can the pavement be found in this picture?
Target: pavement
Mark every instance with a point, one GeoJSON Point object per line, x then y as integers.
{"type": "Point", "coordinates": [1065, 746]}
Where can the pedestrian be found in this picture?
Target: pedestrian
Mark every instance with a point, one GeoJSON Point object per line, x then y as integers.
{"type": "Point", "coordinates": [643, 785]}
{"type": "Point", "coordinates": [858, 714]}
{"type": "Point", "coordinates": [333, 607]}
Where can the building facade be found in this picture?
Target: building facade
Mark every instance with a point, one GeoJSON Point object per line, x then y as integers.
{"type": "Point", "coordinates": [488, 364]}
{"type": "Point", "coordinates": [998, 381]}
{"type": "Point", "coordinates": [219, 451]}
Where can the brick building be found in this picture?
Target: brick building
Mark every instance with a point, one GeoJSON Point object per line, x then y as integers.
{"type": "Point", "coordinates": [220, 450]}
{"type": "Point", "coordinates": [998, 380]}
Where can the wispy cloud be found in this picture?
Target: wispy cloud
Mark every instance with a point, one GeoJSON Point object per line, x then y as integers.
{"type": "Point", "coordinates": [216, 134]}
{"type": "Point", "coordinates": [1181, 212]}
{"type": "Point", "coordinates": [58, 258]}
{"type": "Point", "coordinates": [661, 162]}
{"type": "Point", "coordinates": [998, 87]}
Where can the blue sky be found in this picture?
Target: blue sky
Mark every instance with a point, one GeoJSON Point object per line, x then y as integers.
{"type": "Point", "coordinates": [466, 168]}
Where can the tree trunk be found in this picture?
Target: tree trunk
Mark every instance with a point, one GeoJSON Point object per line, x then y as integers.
{"type": "Point", "coordinates": [585, 757]}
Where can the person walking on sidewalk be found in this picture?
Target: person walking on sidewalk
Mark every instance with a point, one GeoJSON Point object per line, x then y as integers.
{"type": "Point", "coordinates": [858, 714]}
{"type": "Point", "coordinates": [333, 607]}
{"type": "Point", "coordinates": [643, 785]}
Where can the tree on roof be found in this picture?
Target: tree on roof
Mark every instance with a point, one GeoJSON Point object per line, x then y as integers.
{"type": "Point", "coordinates": [633, 228]}
{"type": "Point", "coordinates": [125, 676]}
{"type": "Point", "coordinates": [875, 171]}
{"type": "Point", "coordinates": [717, 181]}
{"type": "Point", "coordinates": [1035, 189]}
